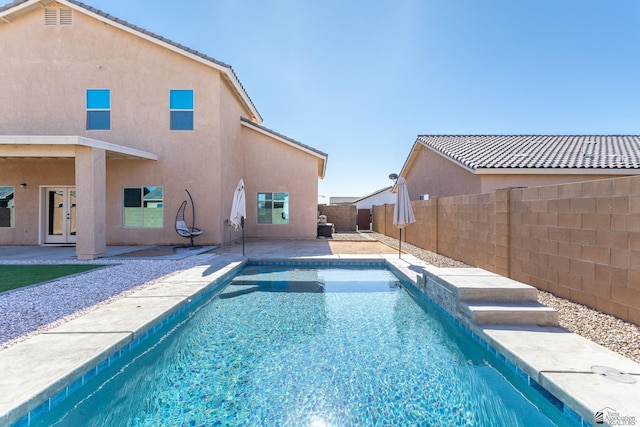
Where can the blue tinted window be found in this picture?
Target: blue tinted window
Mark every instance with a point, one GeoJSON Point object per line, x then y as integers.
{"type": "Point", "coordinates": [99, 99]}
{"type": "Point", "coordinates": [181, 109]}
{"type": "Point", "coordinates": [99, 120]}
{"type": "Point", "coordinates": [181, 100]}
{"type": "Point", "coordinates": [182, 120]}
{"type": "Point", "coordinates": [98, 109]}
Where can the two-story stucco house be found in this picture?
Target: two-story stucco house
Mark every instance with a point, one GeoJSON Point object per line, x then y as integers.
{"type": "Point", "coordinates": [103, 125]}
{"type": "Point", "coordinates": [453, 165]}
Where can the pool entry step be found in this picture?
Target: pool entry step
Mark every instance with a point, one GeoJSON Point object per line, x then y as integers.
{"type": "Point", "coordinates": [480, 297]}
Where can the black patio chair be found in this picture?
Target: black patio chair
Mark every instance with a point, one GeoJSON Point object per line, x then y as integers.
{"type": "Point", "coordinates": [182, 228]}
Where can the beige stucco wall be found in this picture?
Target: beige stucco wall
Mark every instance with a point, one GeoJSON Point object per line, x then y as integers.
{"type": "Point", "coordinates": [437, 176]}
{"type": "Point", "coordinates": [43, 80]}
{"type": "Point", "coordinates": [432, 173]}
{"type": "Point", "coordinates": [273, 166]}
{"type": "Point", "coordinates": [491, 183]}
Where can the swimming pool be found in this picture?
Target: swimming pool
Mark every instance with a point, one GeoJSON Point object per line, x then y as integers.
{"type": "Point", "coordinates": [308, 346]}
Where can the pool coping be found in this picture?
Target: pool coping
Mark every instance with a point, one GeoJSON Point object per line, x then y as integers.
{"type": "Point", "coordinates": [548, 357]}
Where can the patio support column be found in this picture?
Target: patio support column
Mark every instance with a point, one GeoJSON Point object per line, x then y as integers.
{"type": "Point", "coordinates": [91, 193]}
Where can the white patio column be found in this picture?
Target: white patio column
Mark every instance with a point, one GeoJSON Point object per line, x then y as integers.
{"type": "Point", "coordinates": [91, 193]}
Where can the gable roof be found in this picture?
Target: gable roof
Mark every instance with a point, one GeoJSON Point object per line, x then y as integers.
{"type": "Point", "coordinates": [535, 153]}
{"type": "Point", "coordinates": [9, 11]}
{"type": "Point", "coordinates": [375, 193]}
{"type": "Point", "coordinates": [322, 157]}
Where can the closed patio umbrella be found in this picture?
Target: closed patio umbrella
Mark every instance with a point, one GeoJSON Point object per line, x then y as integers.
{"type": "Point", "coordinates": [239, 210]}
{"type": "Point", "coordinates": [402, 210]}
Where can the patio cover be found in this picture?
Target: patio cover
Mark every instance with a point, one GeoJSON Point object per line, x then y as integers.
{"type": "Point", "coordinates": [90, 178]}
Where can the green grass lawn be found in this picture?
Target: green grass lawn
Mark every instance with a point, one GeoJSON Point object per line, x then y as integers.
{"type": "Point", "coordinates": [17, 276]}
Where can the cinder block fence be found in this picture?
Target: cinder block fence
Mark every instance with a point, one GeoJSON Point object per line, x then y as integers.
{"type": "Point", "coordinates": [580, 241]}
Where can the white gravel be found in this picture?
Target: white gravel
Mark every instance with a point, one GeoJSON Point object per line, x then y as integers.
{"type": "Point", "coordinates": [31, 310]}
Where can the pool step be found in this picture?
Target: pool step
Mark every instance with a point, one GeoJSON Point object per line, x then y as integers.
{"type": "Point", "coordinates": [482, 297]}
{"type": "Point", "coordinates": [497, 289]}
{"type": "Point", "coordinates": [508, 313]}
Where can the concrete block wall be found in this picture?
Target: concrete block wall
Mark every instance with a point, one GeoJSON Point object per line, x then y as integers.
{"type": "Point", "coordinates": [424, 233]}
{"type": "Point", "coordinates": [343, 217]}
{"type": "Point", "coordinates": [469, 221]}
{"type": "Point", "coordinates": [580, 241]}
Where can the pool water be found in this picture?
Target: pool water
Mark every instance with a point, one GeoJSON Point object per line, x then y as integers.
{"type": "Point", "coordinates": [308, 347]}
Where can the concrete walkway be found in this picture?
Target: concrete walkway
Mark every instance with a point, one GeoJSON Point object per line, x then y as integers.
{"type": "Point", "coordinates": [566, 364]}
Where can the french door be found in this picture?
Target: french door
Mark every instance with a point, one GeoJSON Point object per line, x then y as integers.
{"type": "Point", "coordinates": [60, 215]}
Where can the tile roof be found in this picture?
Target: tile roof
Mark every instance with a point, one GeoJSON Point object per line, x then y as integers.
{"type": "Point", "coordinates": [153, 35]}
{"type": "Point", "coordinates": [538, 151]}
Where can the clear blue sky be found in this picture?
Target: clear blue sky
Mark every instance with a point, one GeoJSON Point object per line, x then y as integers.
{"type": "Point", "coordinates": [360, 80]}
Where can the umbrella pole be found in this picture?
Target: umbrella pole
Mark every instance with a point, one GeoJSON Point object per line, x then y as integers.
{"type": "Point", "coordinates": [242, 225]}
{"type": "Point", "coordinates": [400, 245]}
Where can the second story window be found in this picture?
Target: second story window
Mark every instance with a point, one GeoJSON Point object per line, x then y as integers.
{"type": "Point", "coordinates": [98, 109]}
{"type": "Point", "coordinates": [181, 109]}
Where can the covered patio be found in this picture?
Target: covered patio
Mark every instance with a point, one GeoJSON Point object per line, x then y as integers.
{"type": "Point", "coordinates": [84, 219]}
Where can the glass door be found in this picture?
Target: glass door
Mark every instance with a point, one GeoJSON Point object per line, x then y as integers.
{"type": "Point", "coordinates": [60, 215]}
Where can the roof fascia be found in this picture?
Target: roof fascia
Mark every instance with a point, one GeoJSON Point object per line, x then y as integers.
{"type": "Point", "coordinates": [226, 71]}
{"type": "Point", "coordinates": [408, 162]}
{"type": "Point", "coordinates": [21, 8]}
{"type": "Point", "coordinates": [262, 130]}
{"type": "Point", "coordinates": [556, 171]}
{"type": "Point", "coordinates": [417, 148]}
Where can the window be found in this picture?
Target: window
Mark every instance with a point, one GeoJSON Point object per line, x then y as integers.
{"type": "Point", "coordinates": [6, 207]}
{"type": "Point", "coordinates": [181, 109]}
{"type": "Point", "coordinates": [142, 207]}
{"type": "Point", "coordinates": [98, 109]}
{"type": "Point", "coordinates": [273, 208]}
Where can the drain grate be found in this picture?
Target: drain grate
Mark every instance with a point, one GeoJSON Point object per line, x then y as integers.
{"type": "Point", "coordinates": [613, 374]}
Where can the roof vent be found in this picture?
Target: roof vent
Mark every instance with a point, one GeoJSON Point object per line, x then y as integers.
{"type": "Point", "coordinates": [65, 17]}
{"type": "Point", "coordinates": [51, 17]}
{"type": "Point", "coordinates": [58, 17]}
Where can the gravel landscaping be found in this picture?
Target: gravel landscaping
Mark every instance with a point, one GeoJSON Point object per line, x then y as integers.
{"type": "Point", "coordinates": [28, 311]}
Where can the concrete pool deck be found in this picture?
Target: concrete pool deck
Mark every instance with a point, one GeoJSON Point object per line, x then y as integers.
{"type": "Point", "coordinates": [36, 370]}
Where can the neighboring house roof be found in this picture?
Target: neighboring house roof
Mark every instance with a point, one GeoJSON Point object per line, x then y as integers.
{"type": "Point", "coordinates": [342, 200]}
{"type": "Point", "coordinates": [8, 11]}
{"type": "Point", "coordinates": [497, 154]}
{"type": "Point", "coordinates": [322, 157]}
{"type": "Point", "coordinates": [5, 192]}
{"type": "Point", "coordinates": [373, 194]}
{"type": "Point", "coordinates": [154, 194]}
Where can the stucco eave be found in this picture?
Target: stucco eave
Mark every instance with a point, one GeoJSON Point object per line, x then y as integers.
{"type": "Point", "coordinates": [40, 146]}
{"type": "Point", "coordinates": [12, 11]}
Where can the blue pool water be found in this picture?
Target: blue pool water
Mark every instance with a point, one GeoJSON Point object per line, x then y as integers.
{"type": "Point", "coordinates": [308, 347]}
